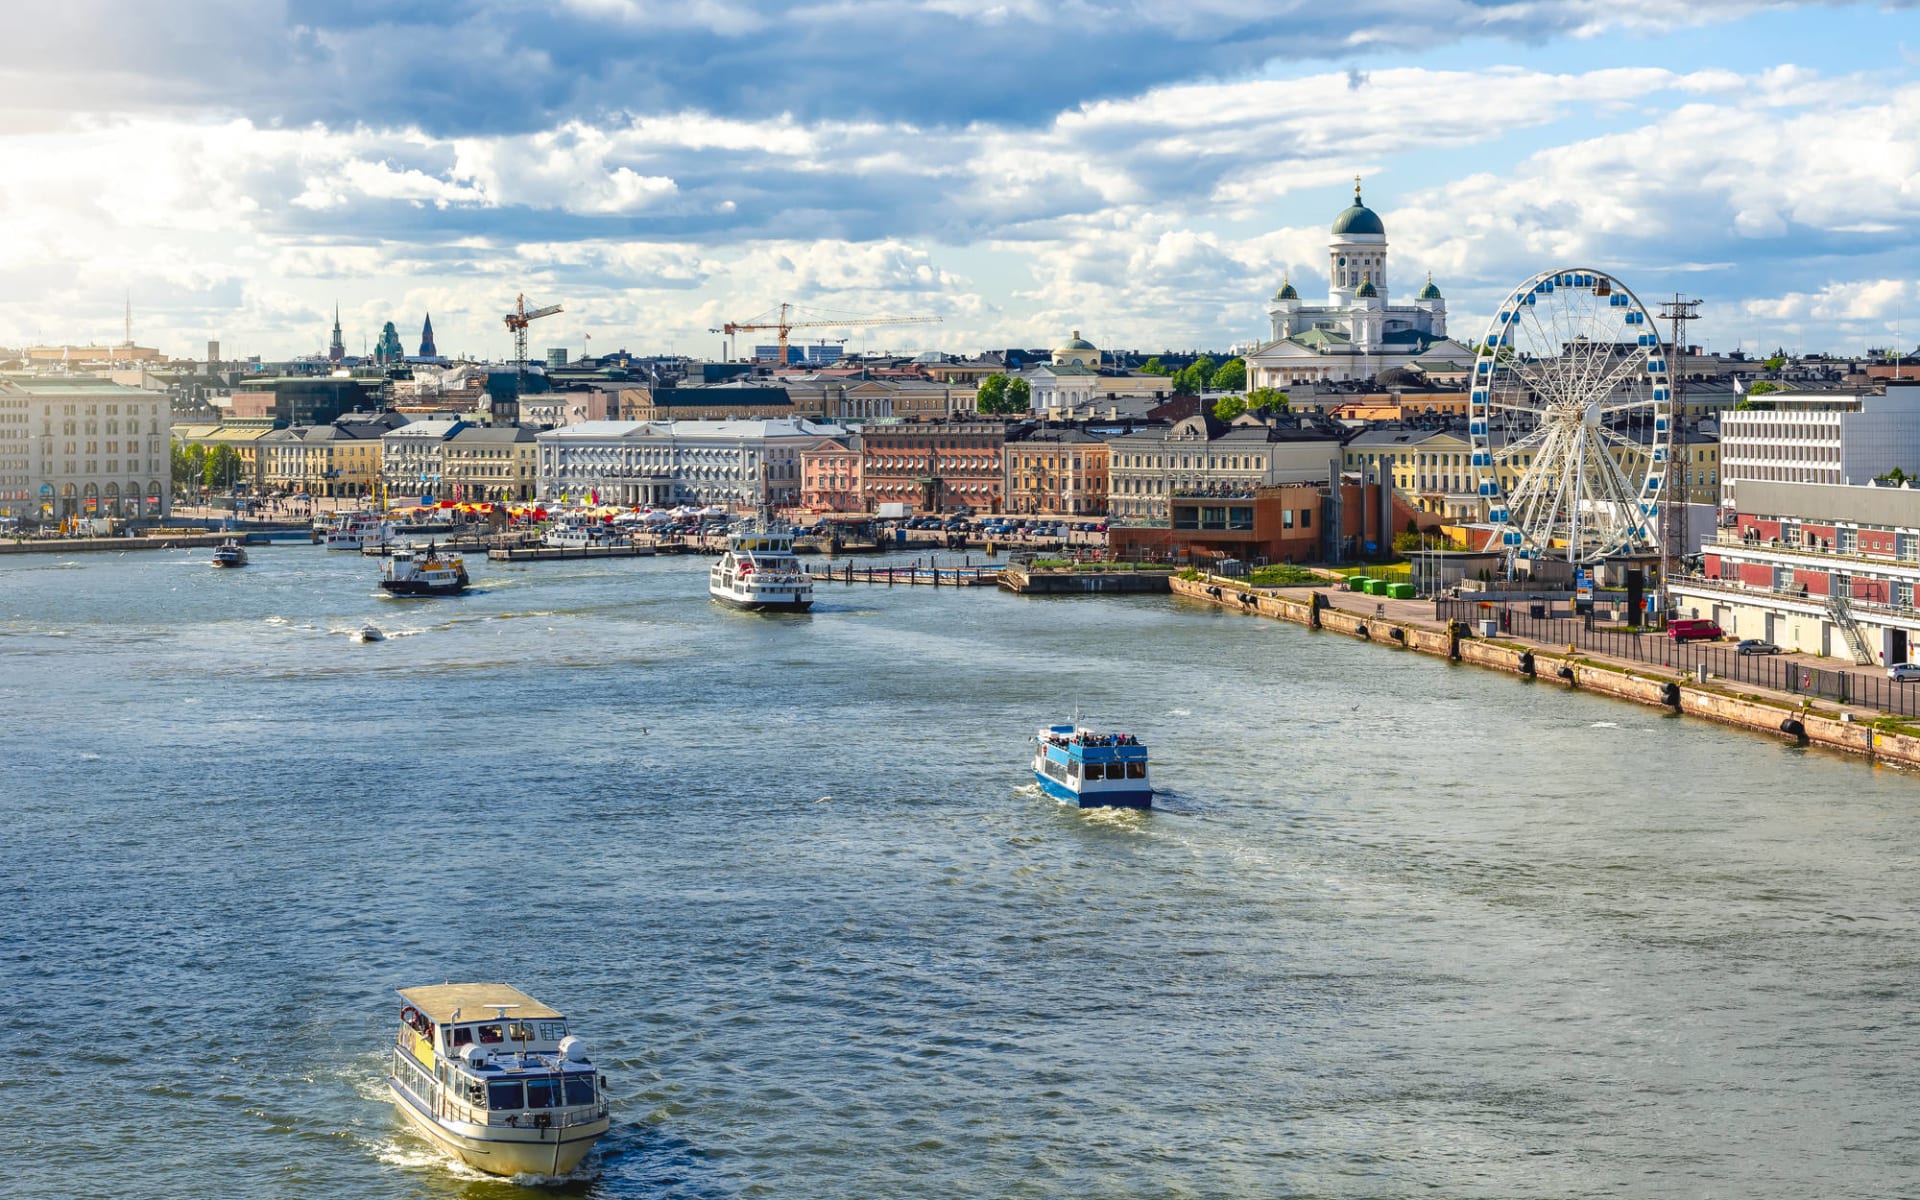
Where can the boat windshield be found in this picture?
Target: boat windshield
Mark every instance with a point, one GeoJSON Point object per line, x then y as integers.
{"type": "Point", "coordinates": [540, 1091]}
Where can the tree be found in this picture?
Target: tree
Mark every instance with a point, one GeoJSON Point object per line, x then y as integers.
{"type": "Point", "coordinates": [1228, 407]}
{"type": "Point", "coordinates": [1895, 477]}
{"type": "Point", "coordinates": [1271, 399]}
{"type": "Point", "coordinates": [221, 469]}
{"type": "Point", "coordinates": [1778, 360]}
{"type": "Point", "coordinates": [992, 393]}
{"type": "Point", "coordinates": [1203, 368]}
{"type": "Point", "coordinates": [1019, 397]}
{"type": "Point", "coordinates": [1231, 377]}
{"type": "Point", "coordinates": [182, 471]}
{"type": "Point", "coordinates": [1763, 387]}
{"type": "Point", "coordinates": [1154, 366]}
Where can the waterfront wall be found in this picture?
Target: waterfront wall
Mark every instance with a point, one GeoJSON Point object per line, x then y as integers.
{"type": "Point", "coordinates": [1670, 692]}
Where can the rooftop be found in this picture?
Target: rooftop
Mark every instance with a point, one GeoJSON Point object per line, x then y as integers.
{"type": "Point", "coordinates": [473, 1001]}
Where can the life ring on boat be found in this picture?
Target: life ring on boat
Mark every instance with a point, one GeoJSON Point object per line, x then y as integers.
{"type": "Point", "coordinates": [410, 1017]}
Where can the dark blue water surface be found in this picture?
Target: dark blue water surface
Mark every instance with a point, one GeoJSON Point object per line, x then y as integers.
{"type": "Point", "coordinates": [1397, 928]}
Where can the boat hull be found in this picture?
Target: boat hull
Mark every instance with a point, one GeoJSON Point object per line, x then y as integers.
{"type": "Point", "coordinates": [763, 605]}
{"type": "Point", "coordinates": [229, 563]}
{"type": "Point", "coordinates": [502, 1151]}
{"type": "Point", "coordinates": [1117, 798]}
{"type": "Point", "coordinates": [415, 587]}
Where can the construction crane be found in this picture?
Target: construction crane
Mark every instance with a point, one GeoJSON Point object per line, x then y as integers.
{"type": "Point", "coordinates": [786, 325]}
{"type": "Point", "coordinates": [518, 320]}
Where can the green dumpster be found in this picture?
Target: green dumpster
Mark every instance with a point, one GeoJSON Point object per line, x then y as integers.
{"type": "Point", "coordinates": [1357, 583]}
{"type": "Point", "coordinates": [1400, 591]}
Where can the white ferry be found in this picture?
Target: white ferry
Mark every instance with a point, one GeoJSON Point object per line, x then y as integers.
{"type": "Point", "coordinates": [492, 1077]}
{"type": "Point", "coordinates": [411, 571]}
{"type": "Point", "coordinates": [357, 531]}
{"type": "Point", "coordinates": [230, 554]}
{"type": "Point", "coordinates": [580, 532]}
{"type": "Point", "coordinates": [1092, 770]}
{"type": "Point", "coordinates": [759, 572]}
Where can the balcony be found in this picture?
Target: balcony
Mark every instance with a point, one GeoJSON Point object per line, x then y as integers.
{"type": "Point", "coordinates": [1734, 541]}
{"type": "Point", "coordinates": [1735, 588]}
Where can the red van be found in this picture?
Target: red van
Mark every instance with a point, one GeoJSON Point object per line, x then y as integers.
{"type": "Point", "coordinates": [1694, 630]}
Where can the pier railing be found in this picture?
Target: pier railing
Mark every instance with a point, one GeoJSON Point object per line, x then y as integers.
{"type": "Point", "coordinates": [1868, 689]}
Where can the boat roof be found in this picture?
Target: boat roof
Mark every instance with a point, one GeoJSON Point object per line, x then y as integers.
{"type": "Point", "coordinates": [473, 1001]}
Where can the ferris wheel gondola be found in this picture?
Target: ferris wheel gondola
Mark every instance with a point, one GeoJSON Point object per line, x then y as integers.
{"type": "Point", "coordinates": [1571, 420]}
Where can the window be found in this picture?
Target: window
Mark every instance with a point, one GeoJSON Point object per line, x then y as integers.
{"type": "Point", "coordinates": [579, 1089]}
{"type": "Point", "coordinates": [1136, 770]}
{"type": "Point", "coordinates": [505, 1094]}
{"type": "Point", "coordinates": [543, 1093]}
{"type": "Point", "coordinates": [489, 1034]}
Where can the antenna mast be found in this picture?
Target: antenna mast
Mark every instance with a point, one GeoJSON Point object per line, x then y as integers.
{"type": "Point", "coordinates": [1673, 517]}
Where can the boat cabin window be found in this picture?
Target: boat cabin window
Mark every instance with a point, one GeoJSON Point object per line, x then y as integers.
{"type": "Point", "coordinates": [506, 1094]}
{"type": "Point", "coordinates": [489, 1034]}
{"type": "Point", "coordinates": [579, 1089]}
{"type": "Point", "coordinates": [462, 1036]}
{"type": "Point", "coordinates": [543, 1093]}
{"type": "Point", "coordinates": [1073, 768]}
{"type": "Point", "coordinates": [1136, 770]}
{"type": "Point", "coordinates": [520, 1031]}
{"type": "Point", "coordinates": [476, 1092]}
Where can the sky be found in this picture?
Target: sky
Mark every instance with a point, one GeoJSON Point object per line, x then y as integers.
{"type": "Point", "coordinates": [1144, 172]}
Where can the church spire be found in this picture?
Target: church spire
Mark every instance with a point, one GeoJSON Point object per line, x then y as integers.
{"type": "Point", "coordinates": [426, 339]}
{"type": "Point", "coordinates": [337, 349]}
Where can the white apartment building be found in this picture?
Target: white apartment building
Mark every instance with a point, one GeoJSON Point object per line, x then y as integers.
{"type": "Point", "coordinates": [83, 446]}
{"type": "Point", "coordinates": [413, 457]}
{"type": "Point", "coordinates": [725, 464]}
{"type": "Point", "coordinates": [1819, 437]}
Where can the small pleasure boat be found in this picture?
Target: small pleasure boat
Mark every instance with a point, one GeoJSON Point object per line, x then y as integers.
{"type": "Point", "coordinates": [416, 572]}
{"type": "Point", "coordinates": [492, 1077]}
{"type": "Point", "coordinates": [230, 554]}
{"type": "Point", "coordinates": [759, 573]}
{"type": "Point", "coordinates": [1092, 770]}
{"type": "Point", "coordinates": [369, 633]}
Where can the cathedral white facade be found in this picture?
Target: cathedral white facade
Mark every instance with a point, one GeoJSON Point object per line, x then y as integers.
{"type": "Point", "coordinates": [1358, 332]}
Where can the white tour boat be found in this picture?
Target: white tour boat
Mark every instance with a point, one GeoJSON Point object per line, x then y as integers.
{"type": "Point", "coordinates": [579, 532]}
{"type": "Point", "coordinates": [492, 1077]}
{"type": "Point", "coordinates": [411, 571]}
{"type": "Point", "coordinates": [759, 573]}
{"type": "Point", "coordinates": [230, 554]}
{"type": "Point", "coordinates": [357, 531]}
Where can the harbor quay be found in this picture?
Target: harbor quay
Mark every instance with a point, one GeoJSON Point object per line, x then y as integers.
{"type": "Point", "coordinates": [1879, 735]}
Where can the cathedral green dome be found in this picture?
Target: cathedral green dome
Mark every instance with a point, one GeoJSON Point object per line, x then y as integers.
{"type": "Point", "coordinates": [1366, 288]}
{"type": "Point", "coordinates": [1286, 291]}
{"type": "Point", "coordinates": [1429, 292]}
{"type": "Point", "coordinates": [1359, 218]}
{"type": "Point", "coordinates": [1076, 342]}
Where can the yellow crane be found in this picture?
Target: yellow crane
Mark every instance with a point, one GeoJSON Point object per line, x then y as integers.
{"type": "Point", "coordinates": [786, 325]}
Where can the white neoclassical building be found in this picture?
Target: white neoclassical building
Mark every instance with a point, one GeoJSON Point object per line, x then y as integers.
{"type": "Point", "coordinates": [730, 464]}
{"type": "Point", "coordinates": [1359, 332]}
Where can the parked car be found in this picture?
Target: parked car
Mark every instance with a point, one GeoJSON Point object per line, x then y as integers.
{"type": "Point", "coordinates": [1755, 646]}
{"type": "Point", "coordinates": [1904, 672]}
{"type": "Point", "coordinates": [1694, 630]}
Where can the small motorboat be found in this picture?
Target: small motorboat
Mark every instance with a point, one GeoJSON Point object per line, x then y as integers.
{"type": "Point", "coordinates": [230, 554]}
{"type": "Point", "coordinates": [369, 633]}
{"type": "Point", "coordinates": [415, 572]}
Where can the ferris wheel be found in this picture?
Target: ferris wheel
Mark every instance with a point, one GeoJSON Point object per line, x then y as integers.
{"type": "Point", "coordinates": [1571, 419]}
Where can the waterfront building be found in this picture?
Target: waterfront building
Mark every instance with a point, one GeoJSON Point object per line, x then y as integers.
{"type": "Point", "coordinates": [738, 465]}
{"type": "Point", "coordinates": [830, 475]}
{"type": "Point", "coordinates": [1358, 332]}
{"type": "Point", "coordinates": [1818, 437]}
{"type": "Point", "coordinates": [1057, 472]}
{"type": "Point", "coordinates": [412, 456]}
{"type": "Point", "coordinates": [1287, 522]}
{"type": "Point", "coordinates": [1204, 456]}
{"type": "Point", "coordinates": [339, 458]}
{"type": "Point", "coordinates": [489, 462]}
{"type": "Point", "coordinates": [82, 446]}
{"type": "Point", "coordinates": [934, 466]}
{"type": "Point", "coordinates": [243, 436]}
{"type": "Point", "coordinates": [1808, 566]}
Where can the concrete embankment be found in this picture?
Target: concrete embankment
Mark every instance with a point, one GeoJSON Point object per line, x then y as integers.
{"type": "Point", "coordinates": [1801, 724]}
{"type": "Point", "coordinates": [1080, 582]}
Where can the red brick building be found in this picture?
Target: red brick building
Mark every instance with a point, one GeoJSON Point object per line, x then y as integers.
{"type": "Point", "coordinates": [933, 466]}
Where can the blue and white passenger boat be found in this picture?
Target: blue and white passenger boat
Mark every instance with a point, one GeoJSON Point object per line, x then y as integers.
{"type": "Point", "coordinates": [1092, 770]}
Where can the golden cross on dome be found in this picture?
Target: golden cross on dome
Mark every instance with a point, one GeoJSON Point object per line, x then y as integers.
{"type": "Point", "coordinates": [1356, 189]}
